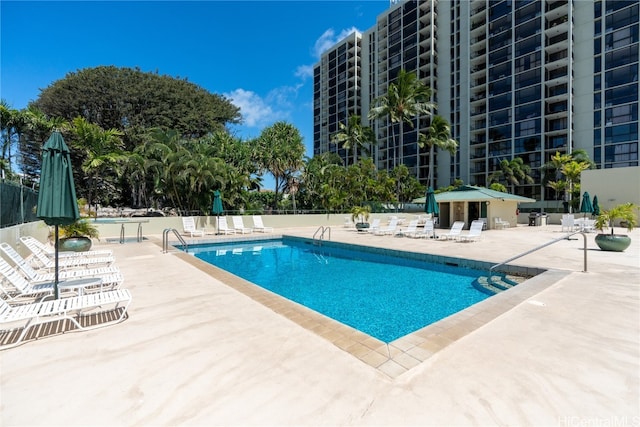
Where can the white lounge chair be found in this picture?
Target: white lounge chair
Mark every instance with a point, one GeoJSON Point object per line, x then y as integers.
{"type": "Point", "coordinates": [15, 287]}
{"type": "Point", "coordinates": [374, 226]}
{"type": "Point", "coordinates": [259, 226]}
{"type": "Point", "coordinates": [223, 227]}
{"type": "Point", "coordinates": [411, 229]}
{"type": "Point", "coordinates": [50, 250]}
{"type": "Point", "coordinates": [110, 275]}
{"type": "Point", "coordinates": [475, 231]}
{"type": "Point", "coordinates": [426, 232]}
{"type": "Point", "coordinates": [66, 262]}
{"type": "Point", "coordinates": [389, 229]}
{"type": "Point", "coordinates": [454, 232]}
{"type": "Point", "coordinates": [189, 227]}
{"type": "Point", "coordinates": [238, 225]}
{"type": "Point", "coordinates": [26, 316]}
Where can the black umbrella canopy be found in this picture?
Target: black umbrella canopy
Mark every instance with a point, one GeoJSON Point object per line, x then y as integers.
{"type": "Point", "coordinates": [57, 201]}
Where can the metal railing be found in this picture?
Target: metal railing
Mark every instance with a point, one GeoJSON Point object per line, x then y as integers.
{"type": "Point", "coordinates": [165, 240]}
{"type": "Point", "coordinates": [566, 237]}
{"type": "Point", "coordinates": [322, 229]}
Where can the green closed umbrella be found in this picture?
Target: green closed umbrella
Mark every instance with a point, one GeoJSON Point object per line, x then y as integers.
{"type": "Point", "coordinates": [431, 206]}
{"type": "Point", "coordinates": [57, 201]}
{"type": "Point", "coordinates": [596, 206]}
{"type": "Point", "coordinates": [585, 206]}
{"type": "Point", "coordinates": [217, 209]}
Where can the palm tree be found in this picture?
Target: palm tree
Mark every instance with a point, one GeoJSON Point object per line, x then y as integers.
{"type": "Point", "coordinates": [569, 165]}
{"type": "Point", "coordinates": [103, 151]}
{"type": "Point", "coordinates": [438, 135]}
{"type": "Point", "coordinates": [353, 136]}
{"type": "Point", "coordinates": [405, 100]}
{"type": "Point", "coordinates": [514, 172]}
{"type": "Point", "coordinates": [281, 153]}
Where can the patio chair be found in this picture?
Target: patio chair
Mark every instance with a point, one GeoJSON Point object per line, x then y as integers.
{"type": "Point", "coordinates": [411, 229]}
{"type": "Point", "coordinates": [375, 225]}
{"type": "Point", "coordinates": [567, 222]}
{"type": "Point", "coordinates": [66, 262]}
{"type": "Point", "coordinates": [499, 223]}
{"type": "Point", "coordinates": [259, 226]}
{"type": "Point", "coordinates": [454, 232]}
{"type": "Point", "coordinates": [426, 232]}
{"type": "Point", "coordinates": [189, 227]}
{"type": "Point", "coordinates": [15, 287]}
{"type": "Point", "coordinates": [110, 275]}
{"type": "Point", "coordinates": [50, 250]}
{"type": "Point", "coordinates": [475, 231]}
{"type": "Point", "coordinates": [223, 227]}
{"type": "Point", "coordinates": [390, 229]}
{"type": "Point", "coordinates": [238, 225]}
{"type": "Point", "coordinates": [26, 316]}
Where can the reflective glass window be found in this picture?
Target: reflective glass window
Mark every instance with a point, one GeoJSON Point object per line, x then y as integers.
{"type": "Point", "coordinates": [528, 127]}
{"type": "Point", "coordinates": [528, 78]}
{"type": "Point", "coordinates": [527, 62]}
{"type": "Point", "coordinates": [528, 94]}
{"type": "Point", "coordinates": [500, 102]}
{"type": "Point", "coordinates": [621, 133]}
{"type": "Point", "coordinates": [622, 75]}
{"type": "Point", "coordinates": [622, 18]}
{"type": "Point", "coordinates": [622, 37]}
{"type": "Point", "coordinates": [528, 111]}
{"type": "Point", "coordinates": [621, 114]}
{"type": "Point", "coordinates": [500, 86]}
{"type": "Point", "coordinates": [621, 95]}
{"type": "Point", "coordinates": [620, 57]}
{"type": "Point", "coordinates": [530, 143]}
{"type": "Point", "coordinates": [528, 45]}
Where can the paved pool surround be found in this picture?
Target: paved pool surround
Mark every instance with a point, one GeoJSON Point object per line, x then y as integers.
{"type": "Point", "coordinates": [201, 347]}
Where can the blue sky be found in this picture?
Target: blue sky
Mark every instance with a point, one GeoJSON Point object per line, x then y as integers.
{"type": "Point", "coordinates": [260, 54]}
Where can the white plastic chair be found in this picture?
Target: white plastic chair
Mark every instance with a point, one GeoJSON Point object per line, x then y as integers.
{"type": "Point", "coordinates": [454, 232]}
{"type": "Point", "coordinates": [259, 226]}
{"type": "Point", "coordinates": [189, 227]}
{"type": "Point", "coordinates": [238, 225]}
{"type": "Point", "coordinates": [475, 231]}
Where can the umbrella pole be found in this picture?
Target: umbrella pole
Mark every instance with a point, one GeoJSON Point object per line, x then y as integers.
{"type": "Point", "coordinates": [55, 282]}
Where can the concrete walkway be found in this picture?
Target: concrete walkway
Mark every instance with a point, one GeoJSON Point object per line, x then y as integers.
{"type": "Point", "coordinates": [195, 351]}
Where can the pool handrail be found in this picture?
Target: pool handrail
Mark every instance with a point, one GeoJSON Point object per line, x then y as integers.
{"type": "Point", "coordinates": [566, 237]}
{"type": "Point", "coordinates": [165, 240]}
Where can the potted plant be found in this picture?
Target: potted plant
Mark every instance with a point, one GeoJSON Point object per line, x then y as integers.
{"type": "Point", "coordinates": [626, 213]}
{"type": "Point", "coordinates": [77, 237]}
{"type": "Point", "coordinates": [360, 215]}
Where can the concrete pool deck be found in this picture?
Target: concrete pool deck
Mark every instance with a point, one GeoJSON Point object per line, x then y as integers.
{"type": "Point", "coordinates": [195, 351]}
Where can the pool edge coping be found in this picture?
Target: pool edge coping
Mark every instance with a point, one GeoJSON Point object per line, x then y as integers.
{"type": "Point", "coordinates": [403, 354]}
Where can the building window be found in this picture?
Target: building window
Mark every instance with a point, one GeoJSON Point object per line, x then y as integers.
{"type": "Point", "coordinates": [621, 114]}
{"type": "Point", "coordinates": [621, 133]}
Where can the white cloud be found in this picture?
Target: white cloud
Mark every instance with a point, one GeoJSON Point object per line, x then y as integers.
{"type": "Point", "coordinates": [260, 112]}
{"type": "Point", "coordinates": [328, 39]}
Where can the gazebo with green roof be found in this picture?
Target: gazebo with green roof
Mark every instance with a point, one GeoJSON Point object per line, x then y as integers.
{"type": "Point", "coordinates": [468, 203]}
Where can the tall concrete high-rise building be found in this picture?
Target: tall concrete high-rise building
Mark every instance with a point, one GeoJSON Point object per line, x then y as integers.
{"type": "Point", "coordinates": [515, 78]}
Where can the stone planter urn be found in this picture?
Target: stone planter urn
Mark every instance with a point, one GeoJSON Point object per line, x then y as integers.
{"type": "Point", "coordinates": [362, 226]}
{"type": "Point", "coordinates": [75, 244]}
{"type": "Point", "coordinates": [613, 242]}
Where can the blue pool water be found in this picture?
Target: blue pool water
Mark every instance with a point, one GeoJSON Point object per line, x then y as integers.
{"type": "Point", "coordinates": [384, 296]}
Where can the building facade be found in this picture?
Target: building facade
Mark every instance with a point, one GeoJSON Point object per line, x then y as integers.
{"type": "Point", "coordinates": [515, 78]}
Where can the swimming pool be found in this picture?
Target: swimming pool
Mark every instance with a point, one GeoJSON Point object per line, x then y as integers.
{"type": "Point", "coordinates": [384, 296]}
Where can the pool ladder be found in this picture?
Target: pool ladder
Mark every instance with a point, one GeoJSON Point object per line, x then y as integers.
{"type": "Point", "coordinates": [165, 240]}
{"type": "Point", "coordinates": [322, 229]}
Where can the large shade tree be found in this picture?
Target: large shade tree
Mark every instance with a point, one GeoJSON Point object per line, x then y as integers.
{"type": "Point", "coordinates": [132, 101]}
